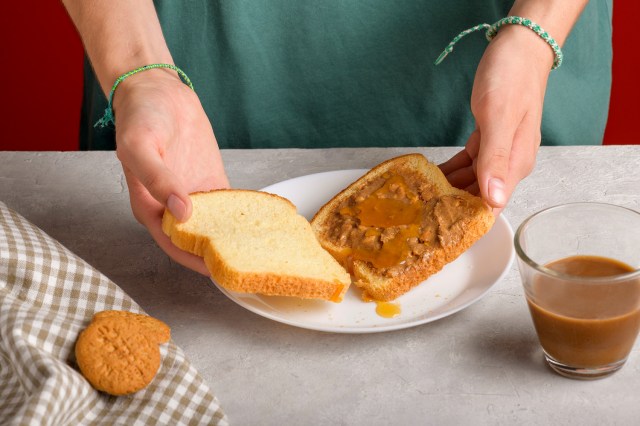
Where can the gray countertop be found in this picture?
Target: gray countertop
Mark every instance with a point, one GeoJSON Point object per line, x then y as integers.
{"type": "Point", "coordinates": [482, 365]}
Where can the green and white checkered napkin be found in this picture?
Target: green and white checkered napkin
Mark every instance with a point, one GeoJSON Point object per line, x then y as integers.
{"type": "Point", "coordinates": [47, 297]}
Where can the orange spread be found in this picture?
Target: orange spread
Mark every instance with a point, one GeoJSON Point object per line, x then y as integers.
{"type": "Point", "coordinates": [387, 310]}
{"type": "Point", "coordinates": [391, 253]}
{"type": "Point", "coordinates": [383, 309]}
{"type": "Point", "coordinates": [380, 210]}
{"type": "Point", "coordinates": [335, 297]}
{"type": "Point", "coordinates": [394, 220]}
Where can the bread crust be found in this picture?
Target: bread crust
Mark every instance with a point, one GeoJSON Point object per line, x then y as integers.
{"type": "Point", "coordinates": [266, 283]}
{"type": "Point", "coordinates": [372, 280]}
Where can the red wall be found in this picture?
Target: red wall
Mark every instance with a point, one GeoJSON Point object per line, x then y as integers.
{"type": "Point", "coordinates": [42, 77]}
{"type": "Point", "coordinates": [625, 90]}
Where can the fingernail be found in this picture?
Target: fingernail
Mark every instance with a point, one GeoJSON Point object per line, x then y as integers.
{"type": "Point", "coordinates": [496, 192]}
{"type": "Point", "coordinates": [176, 207]}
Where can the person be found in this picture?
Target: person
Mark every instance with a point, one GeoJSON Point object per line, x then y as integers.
{"type": "Point", "coordinates": [276, 73]}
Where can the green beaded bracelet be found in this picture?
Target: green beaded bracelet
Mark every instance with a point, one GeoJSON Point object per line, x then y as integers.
{"type": "Point", "coordinates": [492, 30]}
{"type": "Point", "coordinates": [108, 116]}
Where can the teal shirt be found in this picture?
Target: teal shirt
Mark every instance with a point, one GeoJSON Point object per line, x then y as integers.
{"type": "Point", "coordinates": [356, 73]}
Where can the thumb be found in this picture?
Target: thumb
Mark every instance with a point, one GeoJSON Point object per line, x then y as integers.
{"type": "Point", "coordinates": [147, 166]}
{"type": "Point", "coordinates": [493, 165]}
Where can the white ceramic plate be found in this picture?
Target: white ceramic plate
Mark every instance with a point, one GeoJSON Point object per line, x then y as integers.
{"type": "Point", "coordinates": [455, 287]}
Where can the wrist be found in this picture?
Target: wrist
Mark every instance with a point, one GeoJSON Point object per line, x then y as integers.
{"type": "Point", "coordinates": [525, 40]}
{"type": "Point", "coordinates": [557, 17]}
{"type": "Point", "coordinates": [156, 77]}
{"type": "Point", "coordinates": [132, 60]}
{"type": "Point", "coordinates": [151, 85]}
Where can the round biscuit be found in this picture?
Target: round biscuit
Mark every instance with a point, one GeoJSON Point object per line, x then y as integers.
{"type": "Point", "coordinates": [117, 356]}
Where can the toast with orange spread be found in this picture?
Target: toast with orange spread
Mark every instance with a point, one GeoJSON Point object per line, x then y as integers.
{"type": "Point", "coordinates": [399, 224]}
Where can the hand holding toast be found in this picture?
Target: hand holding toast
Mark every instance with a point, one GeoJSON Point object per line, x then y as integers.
{"type": "Point", "coordinates": [168, 150]}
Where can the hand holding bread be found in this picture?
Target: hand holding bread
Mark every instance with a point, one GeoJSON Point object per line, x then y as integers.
{"type": "Point", "coordinates": [255, 242]}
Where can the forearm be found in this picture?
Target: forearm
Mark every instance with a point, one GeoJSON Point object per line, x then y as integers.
{"type": "Point", "coordinates": [118, 36]}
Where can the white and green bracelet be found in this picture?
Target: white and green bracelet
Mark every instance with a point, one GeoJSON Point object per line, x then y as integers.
{"type": "Point", "coordinates": [492, 30]}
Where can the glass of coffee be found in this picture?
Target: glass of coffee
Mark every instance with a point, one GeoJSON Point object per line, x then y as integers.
{"type": "Point", "coordinates": [580, 267]}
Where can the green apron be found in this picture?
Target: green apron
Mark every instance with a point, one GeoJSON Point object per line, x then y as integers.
{"type": "Point", "coordinates": [357, 73]}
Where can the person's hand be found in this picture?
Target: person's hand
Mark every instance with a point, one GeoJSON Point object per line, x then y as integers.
{"type": "Point", "coordinates": [168, 150]}
{"type": "Point", "coordinates": [506, 101]}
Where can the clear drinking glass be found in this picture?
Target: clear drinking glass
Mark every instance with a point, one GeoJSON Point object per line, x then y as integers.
{"type": "Point", "coordinates": [580, 268]}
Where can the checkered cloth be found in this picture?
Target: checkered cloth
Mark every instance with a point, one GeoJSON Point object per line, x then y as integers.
{"type": "Point", "coordinates": [47, 297]}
